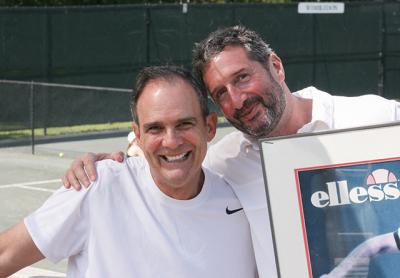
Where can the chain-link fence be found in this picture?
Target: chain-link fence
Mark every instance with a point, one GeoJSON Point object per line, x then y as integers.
{"type": "Point", "coordinates": [49, 111]}
{"type": "Point", "coordinates": [38, 110]}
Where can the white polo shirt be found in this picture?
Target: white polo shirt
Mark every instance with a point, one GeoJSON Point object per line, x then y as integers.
{"type": "Point", "coordinates": [236, 157]}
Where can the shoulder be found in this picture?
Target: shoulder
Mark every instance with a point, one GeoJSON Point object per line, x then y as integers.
{"type": "Point", "coordinates": [228, 146]}
{"type": "Point", "coordinates": [313, 93]}
{"type": "Point", "coordinates": [113, 177]}
{"type": "Point", "coordinates": [369, 100]}
{"type": "Point", "coordinates": [364, 101]}
{"type": "Point", "coordinates": [225, 150]}
{"type": "Point", "coordinates": [364, 110]}
{"type": "Point", "coordinates": [354, 110]}
{"type": "Point", "coordinates": [213, 177]}
{"type": "Point", "coordinates": [218, 184]}
{"type": "Point", "coordinates": [108, 168]}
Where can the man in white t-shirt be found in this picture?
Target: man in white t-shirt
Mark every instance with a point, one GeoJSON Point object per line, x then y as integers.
{"type": "Point", "coordinates": [158, 216]}
{"type": "Point", "coordinates": [246, 79]}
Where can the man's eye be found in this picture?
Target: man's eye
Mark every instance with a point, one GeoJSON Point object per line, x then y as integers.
{"type": "Point", "coordinates": [185, 125]}
{"type": "Point", "coordinates": [218, 95]}
{"type": "Point", "coordinates": [243, 77]}
{"type": "Point", "coordinates": [154, 129]}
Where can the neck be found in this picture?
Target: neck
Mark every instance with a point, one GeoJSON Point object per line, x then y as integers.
{"type": "Point", "coordinates": [298, 112]}
{"type": "Point", "coordinates": [183, 192]}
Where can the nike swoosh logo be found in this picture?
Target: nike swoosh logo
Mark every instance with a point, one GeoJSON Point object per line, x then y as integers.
{"type": "Point", "coordinates": [228, 211]}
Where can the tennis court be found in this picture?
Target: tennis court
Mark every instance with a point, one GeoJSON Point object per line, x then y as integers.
{"type": "Point", "coordinates": [28, 180]}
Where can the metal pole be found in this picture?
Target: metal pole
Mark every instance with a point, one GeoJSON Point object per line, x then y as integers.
{"type": "Point", "coordinates": [381, 64]}
{"type": "Point", "coordinates": [32, 116]}
{"type": "Point", "coordinates": [314, 49]}
{"type": "Point", "coordinates": [49, 67]}
{"type": "Point", "coordinates": [148, 22]}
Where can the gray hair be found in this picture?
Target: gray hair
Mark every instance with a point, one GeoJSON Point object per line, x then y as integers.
{"type": "Point", "coordinates": [215, 43]}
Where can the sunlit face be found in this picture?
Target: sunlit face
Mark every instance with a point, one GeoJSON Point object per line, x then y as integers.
{"type": "Point", "coordinates": [173, 135]}
{"type": "Point", "coordinates": [249, 95]}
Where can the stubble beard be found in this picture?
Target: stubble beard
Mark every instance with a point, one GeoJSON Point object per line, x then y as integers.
{"type": "Point", "coordinates": [273, 110]}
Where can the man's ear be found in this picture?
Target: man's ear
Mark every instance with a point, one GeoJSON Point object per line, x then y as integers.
{"type": "Point", "coordinates": [136, 129]}
{"type": "Point", "coordinates": [211, 122]}
{"type": "Point", "coordinates": [276, 67]}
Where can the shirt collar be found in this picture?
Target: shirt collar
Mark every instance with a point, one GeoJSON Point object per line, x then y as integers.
{"type": "Point", "coordinates": [322, 116]}
{"type": "Point", "coordinates": [322, 110]}
{"type": "Point", "coordinates": [249, 142]}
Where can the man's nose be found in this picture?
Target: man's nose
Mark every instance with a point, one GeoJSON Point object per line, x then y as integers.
{"type": "Point", "coordinates": [236, 96]}
{"type": "Point", "coordinates": [172, 139]}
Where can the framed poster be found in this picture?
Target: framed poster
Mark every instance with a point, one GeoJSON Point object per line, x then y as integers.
{"type": "Point", "coordinates": [327, 193]}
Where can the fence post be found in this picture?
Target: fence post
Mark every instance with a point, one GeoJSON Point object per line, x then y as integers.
{"type": "Point", "coordinates": [49, 66]}
{"type": "Point", "coordinates": [381, 65]}
{"type": "Point", "coordinates": [148, 22]}
{"type": "Point", "coordinates": [32, 116]}
{"type": "Point", "coordinates": [314, 49]}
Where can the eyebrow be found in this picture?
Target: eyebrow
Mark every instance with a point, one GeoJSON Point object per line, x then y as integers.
{"type": "Point", "coordinates": [190, 119]}
{"type": "Point", "coordinates": [148, 125]}
{"type": "Point", "coordinates": [157, 123]}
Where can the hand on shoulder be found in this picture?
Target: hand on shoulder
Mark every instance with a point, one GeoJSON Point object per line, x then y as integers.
{"type": "Point", "coordinates": [82, 170]}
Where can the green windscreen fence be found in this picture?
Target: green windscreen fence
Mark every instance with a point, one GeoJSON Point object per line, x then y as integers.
{"type": "Point", "coordinates": [353, 53]}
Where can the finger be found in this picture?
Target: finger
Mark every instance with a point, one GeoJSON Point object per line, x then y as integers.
{"type": "Point", "coordinates": [78, 172]}
{"type": "Point", "coordinates": [118, 156]}
{"type": "Point", "coordinates": [89, 167]}
{"type": "Point", "coordinates": [65, 182]}
{"type": "Point", "coordinates": [72, 180]}
{"type": "Point", "coordinates": [86, 166]}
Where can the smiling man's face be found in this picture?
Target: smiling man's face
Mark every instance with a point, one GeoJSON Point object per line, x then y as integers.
{"type": "Point", "coordinates": [250, 96]}
{"type": "Point", "coordinates": [173, 135]}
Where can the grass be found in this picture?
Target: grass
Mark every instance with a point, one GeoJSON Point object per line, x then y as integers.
{"type": "Point", "coordinates": [56, 131]}
{"type": "Point", "coordinates": [53, 131]}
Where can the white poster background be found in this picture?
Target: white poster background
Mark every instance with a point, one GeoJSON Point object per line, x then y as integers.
{"type": "Point", "coordinates": [282, 155]}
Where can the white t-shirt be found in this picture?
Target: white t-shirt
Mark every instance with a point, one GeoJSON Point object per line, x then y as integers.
{"type": "Point", "coordinates": [124, 226]}
{"type": "Point", "coordinates": [236, 157]}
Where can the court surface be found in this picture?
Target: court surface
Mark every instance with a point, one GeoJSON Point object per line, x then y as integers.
{"type": "Point", "coordinates": [27, 180]}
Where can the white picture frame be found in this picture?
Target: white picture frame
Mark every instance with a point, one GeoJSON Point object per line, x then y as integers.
{"type": "Point", "coordinates": [299, 174]}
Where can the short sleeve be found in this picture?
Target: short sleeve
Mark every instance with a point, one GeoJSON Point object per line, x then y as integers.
{"type": "Point", "coordinates": [59, 226]}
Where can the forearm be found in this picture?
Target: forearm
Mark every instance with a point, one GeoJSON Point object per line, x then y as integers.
{"type": "Point", "coordinates": [385, 243]}
{"type": "Point", "coordinates": [17, 250]}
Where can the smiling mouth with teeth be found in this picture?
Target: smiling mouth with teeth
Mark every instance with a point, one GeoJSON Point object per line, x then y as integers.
{"type": "Point", "coordinates": [176, 158]}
